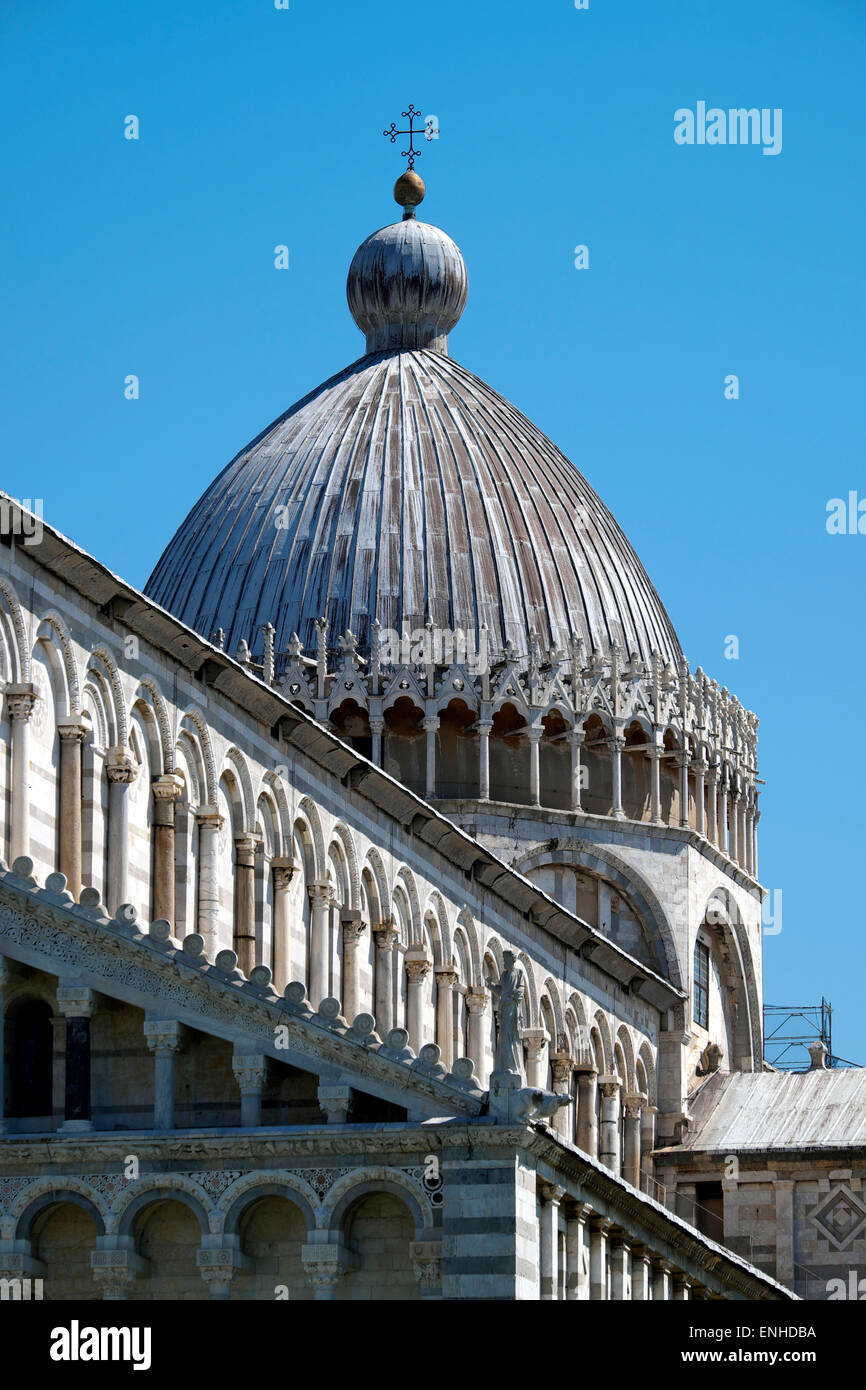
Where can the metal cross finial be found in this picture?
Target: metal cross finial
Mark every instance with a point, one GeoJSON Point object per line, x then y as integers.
{"type": "Point", "coordinates": [411, 115]}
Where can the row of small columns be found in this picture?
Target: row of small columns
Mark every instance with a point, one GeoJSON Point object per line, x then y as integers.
{"type": "Point", "coordinates": [164, 1039]}
{"type": "Point", "coordinates": [115, 1264]}
{"type": "Point", "coordinates": [620, 1267]}
{"type": "Point", "coordinates": [739, 842]}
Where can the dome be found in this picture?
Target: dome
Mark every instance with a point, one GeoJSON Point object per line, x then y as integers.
{"type": "Point", "coordinates": [407, 287]}
{"type": "Point", "coordinates": [406, 490]}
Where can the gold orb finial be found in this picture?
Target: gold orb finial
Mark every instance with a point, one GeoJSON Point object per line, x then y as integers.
{"type": "Point", "coordinates": [409, 191]}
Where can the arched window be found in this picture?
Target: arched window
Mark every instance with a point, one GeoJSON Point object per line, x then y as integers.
{"type": "Point", "coordinates": [701, 1001]}
{"type": "Point", "coordinates": [30, 1050]}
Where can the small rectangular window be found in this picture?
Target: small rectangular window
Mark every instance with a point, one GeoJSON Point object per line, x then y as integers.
{"type": "Point", "coordinates": [702, 985]}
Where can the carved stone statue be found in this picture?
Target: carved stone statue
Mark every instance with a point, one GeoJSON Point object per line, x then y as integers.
{"type": "Point", "coordinates": [510, 995]}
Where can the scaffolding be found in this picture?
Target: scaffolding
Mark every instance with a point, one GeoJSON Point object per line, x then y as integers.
{"type": "Point", "coordinates": [790, 1028]}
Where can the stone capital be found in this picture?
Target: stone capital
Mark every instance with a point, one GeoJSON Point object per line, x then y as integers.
{"type": "Point", "coordinates": [168, 787]}
{"type": "Point", "coordinates": [426, 1257]}
{"type": "Point", "coordinates": [320, 892]}
{"type": "Point", "coordinates": [561, 1066]}
{"type": "Point", "coordinates": [74, 1000]}
{"type": "Point", "coordinates": [386, 935]}
{"type": "Point", "coordinates": [609, 1086]}
{"type": "Point", "coordinates": [417, 968]}
{"type": "Point", "coordinates": [476, 1000]}
{"type": "Point", "coordinates": [163, 1036]}
{"type": "Point", "coordinates": [120, 766]}
{"type": "Point", "coordinates": [283, 871]}
{"type": "Point", "coordinates": [249, 1071]}
{"type": "Point", "coordinates": [21, 700]}
{"type": "Point", "coordinates": [550, 1192]}
{"type": "Point", "coordinates": [245, 849]}
{"type": "Point", "coordinates": [634, 1102]}
{"type": "Point", "coordinates": [535, 1040]}
{"type": "Point", "coordinates": [72, 728]}
{"type": "Point", "coordinates": [353, 926]}
{"type": "Point", "coordinates": [446, 978]}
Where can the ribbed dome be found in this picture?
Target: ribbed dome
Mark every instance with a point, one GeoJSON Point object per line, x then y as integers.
{"type": "Point", "coordinates": [405, 489]}
{"type": "Point", "coordinates": [407, 287]}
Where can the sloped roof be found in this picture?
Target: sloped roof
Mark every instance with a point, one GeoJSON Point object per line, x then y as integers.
{"type": "Point", "coordinates": [735, 1112]}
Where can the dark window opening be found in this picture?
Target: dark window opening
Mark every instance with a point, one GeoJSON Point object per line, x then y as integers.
{"type": "Point", "coordinates": [709, 1209]}
{"type": "Point", "coordinates": [702, 985]}
{"type": "Point", "coordinates": [30, 1051]}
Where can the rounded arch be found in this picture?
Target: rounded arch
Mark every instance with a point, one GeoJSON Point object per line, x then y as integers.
{"type": "Point", "coordinates": [148, 685]}
{"type": "Point", "coordinates": [723, 921]}
{"type": "Point", "coordinates": [188, 762]}
{"type": "Point", "coordinates": [252, 1187]}
{"type": "Point", "coordinates": [310, 812]}
{"type": "Point", "coordinates": [235, 762]}
{"type": "Point", "coordinates": [194, 717]}
{"type": "Point", "coordinates": [60, 635]}
{"type": "Point", "coordinates": [49, 1192]}
{"type": "Point", "coordinates": [607, 865]}
{"type": "Point", "coordinates": [275, 785]}
{"type": "Point", "coordinates": [375, 868]}
{"type": "Point", "coordinates": [469, 926]}
{"type": "Point", "coordinates": [647, 1061]}
{"type": "Point", "coordinates": [167, 1187]}
{"type": "Point", "coordinates": [438, 930]}
{"type": "Point", "coordinates": [626, 1045]}
{"type": "Point", "coordinates": [19, 648]}
{"type": "Point", "coordinates": [406, 879]}
{"type": "Point", "coordinates": [601, 1027]}
{"type": "Point", "coordinates": [366, 1181]}
{"type": "Point", "coordinates": [550, 991]}
{"type": "Point", "coordinates": [343, 834]}
{"type": "Point", "coordinates": [102, 661]}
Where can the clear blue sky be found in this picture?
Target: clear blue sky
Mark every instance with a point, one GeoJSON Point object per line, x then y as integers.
{"type": "Point", "coordinates": [260, 127]}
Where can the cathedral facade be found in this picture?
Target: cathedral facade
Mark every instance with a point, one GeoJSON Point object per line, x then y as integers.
{"type": "Point", "coordinates": [380, 914]}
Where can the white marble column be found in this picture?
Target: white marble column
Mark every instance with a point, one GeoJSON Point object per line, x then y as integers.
{"type": "Point", "coordinates": [377, 726]}
{"type": "Point", "coordinates": [533, 734]}
{"type": "Point", "coordinates": [535, 1041]}
{"type": "Point", "coordinates": [72, 732]}
{"type": "Point", "coordinates": [700, 770]}
{"type": "Point", "coordinates": [353, 928]}
{"type": "Point", "coordinates": [575, 742]}
{"type": "Point", "coordinates": [661, 1278]}
{"type": "Point", "coordinates": [561, 1069]}
{"type": "Point", "coordinates": [617, 744]}
{"type": "Point", "coordinates": [121, 770]}
{"type": "Point", "coordinates": [20, 703]}
{"type": "Point", "coordinates": [633, 1104]}
{"type": "Point", "coordinates": [641, 1273]}
{"type": "Point", "coordinates": [683, 760]}
{"type": "Point", "coordinates": [619, 1248]}
{"type": "Point", "coordinates": [655, 757]}
{"type": "Point", "coordinates": [446, 979]}
{"type": "Point", "coordinates": [282, 873]}
{"type": "Point", "coordinates": [576, 1278]}
{"type": "Point", "coordinates": [598, 1232]}
{"type": "Point", "coordinates": [210, 823]}
{"type": "Point", "coordinates": [484, 726]}
{"type": "Point", "coordinates": [713, 804]}
{"type": "Point", "coordinates": [587, 1120]}
{"type": "Point", "coordinates": [431, 727]}
{"type": "Point", "coordinates": [386, 937]}
{"type": "Point", "coordinates": [163, 1039]}
{"type": "Point", "coordinates": [550, 1197]}
{"type": "Point", "coordinates": [321, 894]}
{"type": "Point", "coordinates": [477, 1002]}
{"type": "Point", "coordinates": [608, 1147]}
{"type": "Point", "coordinates": [249, 1069]}
{"type": "Point", "coordinates": [418, 967]}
